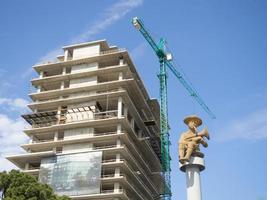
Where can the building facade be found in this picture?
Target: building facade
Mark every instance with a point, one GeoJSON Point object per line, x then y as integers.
{"type": "Point", "coordinates": [94, 131]}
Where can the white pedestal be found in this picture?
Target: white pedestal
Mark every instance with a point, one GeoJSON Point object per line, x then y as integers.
{"type": "Point", "coordinates": [192, 170]}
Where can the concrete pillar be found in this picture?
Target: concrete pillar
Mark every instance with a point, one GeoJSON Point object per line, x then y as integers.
{"type": "Point", "coordinates": [118, 157]}
{"type": "Point", "coordinates": [39, 88]}
{"type": "Point", "coordinates": [192, 170]}
{"type": "Point", "coordinates": [41, 74]}
{"type": "Point", "coordinates": [31, 139]}
{"type": "Point", "coordinates": [139, 133]}
{"type": "Point", "coordinates": [121, 61]}
{"type": "Point", "coordinates": [58, 113]}
{"type": "Point", "coordinates": [132, 123]}
{"type": "Point", "coordinates": [120, 76]}
{"type": "Point", "coordinates": [56, 136]}
{"type": "Point", "coordinates": [91, 132]}
{"type": "Point", "coordinates": [125, 111]}
{"type": "Point", "coordinates": [117, 172]}
{"type": "Point", "coordinates": [27, 166]}
{"type": "Point", "coordinates": [62, 85]}
{"type": "Point", "coordinates": [118, 142]}
{"type": "Point", "coordinates": [118, 128]}
{"type": "Point", "coordinates": [116, 187]}
{"type": "Point", "coordinates": [64, 71]}
{"type": "Point", "coordinates": [119, 107]}
{"type": "Point", "coordinates": [66, 54]}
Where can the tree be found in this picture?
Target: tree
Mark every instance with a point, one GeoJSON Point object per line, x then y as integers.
{"type": "Point", "coordinates": [16, 185]}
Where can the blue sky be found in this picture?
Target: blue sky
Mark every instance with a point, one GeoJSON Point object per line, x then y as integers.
{"type": "Point", "coordinates": [221, 46]}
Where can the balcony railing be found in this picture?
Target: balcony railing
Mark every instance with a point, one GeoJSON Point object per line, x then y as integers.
{"type": "Point", "coordinates": [50, 118]}
{"type": "Point", "coordinates": [103, 161]}
{"type": "Point", "coordinates": [112, 51]}
{"type": "Point", "coordinates": [58, 98]}
{"type": "Point", "coordinates": [111, 191]}
{"type": "Point", "coordinates": [112, 160]}
{"type": "Point", "coordinates": [63, 139]}
{"type": "Point", "coordinates": [49, 140]}
{"type": "Point", "coordinates": [112, 175]}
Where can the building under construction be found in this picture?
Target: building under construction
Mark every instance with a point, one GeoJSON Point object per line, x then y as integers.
{"type": "Point", "coordinates": [94, 131]}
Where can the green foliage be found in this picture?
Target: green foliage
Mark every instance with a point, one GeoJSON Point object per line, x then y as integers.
{"type": "Point", "coordinates": [16, 185]}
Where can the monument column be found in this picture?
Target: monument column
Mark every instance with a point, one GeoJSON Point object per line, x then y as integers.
{"type": "Point", "coordinates": [191, 159]}
{"type": "Point", "coordinates": [192, 169]}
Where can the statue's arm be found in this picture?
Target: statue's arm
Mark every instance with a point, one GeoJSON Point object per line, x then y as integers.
{"type": "Point", "coordinates": [182, 138]}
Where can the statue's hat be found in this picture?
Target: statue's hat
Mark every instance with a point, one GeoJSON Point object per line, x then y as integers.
{"type": "Point", "coordinates": [194, 118]}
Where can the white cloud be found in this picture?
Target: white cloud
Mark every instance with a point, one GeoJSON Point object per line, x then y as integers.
{"type": "Point", "coordinates": [250, 127]}
{"type": "Point", "coordinates": [11, 137]}
{"type": "Point", "coordinates": [11, 130]}
{"type": "Point", "coordinates": [108, 17]}
{"type": "Point", "coordinates": [18, 104]}
{"type": "Point", "coordinates": [6, 165]}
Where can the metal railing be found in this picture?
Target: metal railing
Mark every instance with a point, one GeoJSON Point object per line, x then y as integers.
{"type": "Point", "coordinates": [111, 175]}
{"type": "Point", "coordinates": [112, 51]}
{"type": "Point", "coordinates": [103, 161]}
{"type": "Point", "coordinates": [70, 117]}
{"type": "Point", "coordinates": [112, 191]}
{"type": "Point", "coordinates": [58, 98]}
{"type": "Point", "coordinates": [112, 160]}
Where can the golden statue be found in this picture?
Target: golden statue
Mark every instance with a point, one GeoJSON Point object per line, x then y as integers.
{"type": "Point", "coordinates": [189, 141]}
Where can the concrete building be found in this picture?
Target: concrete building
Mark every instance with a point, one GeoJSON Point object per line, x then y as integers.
{"type": "Point", "coordinates": [90, 108]}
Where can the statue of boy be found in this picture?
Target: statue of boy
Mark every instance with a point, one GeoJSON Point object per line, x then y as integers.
{"type": "Point", "coordinates": [189, 141]}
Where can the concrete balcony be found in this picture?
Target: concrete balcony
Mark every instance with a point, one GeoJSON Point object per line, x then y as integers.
{"type": "Point", "coordinates": [51, 121]}
{"type": "Point", "coordinates": [94, 138]}
{"type": "Point", "coordinates": [65, 77]}
{"type": "Point", "coordinates": [84, 79]}
{"type": "Point", "coordinates": [52, 94]}
{"type": "Point", "coordinates": [20, 160]}
{"type": "Point", "coordinates": [52, 103]}
{"type": "Point", "coordinates": [102, 56]}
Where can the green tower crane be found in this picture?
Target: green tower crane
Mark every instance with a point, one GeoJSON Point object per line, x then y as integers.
{"type": "Point", "coordinates": [165, 61]}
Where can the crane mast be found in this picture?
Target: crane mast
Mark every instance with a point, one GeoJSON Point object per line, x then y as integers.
{"type": "Point", "coordinates": [165, 62]}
